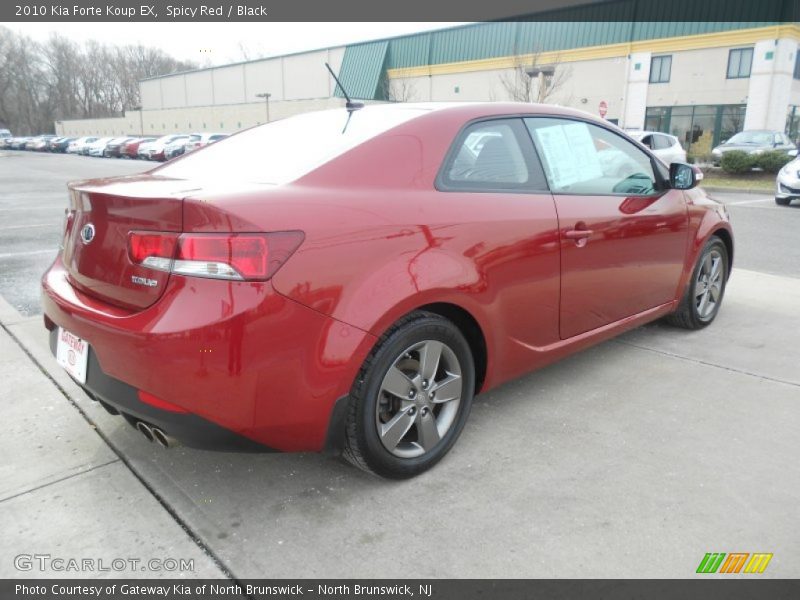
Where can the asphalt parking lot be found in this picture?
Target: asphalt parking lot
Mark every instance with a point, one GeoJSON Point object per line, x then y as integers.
{"type": "Point", "coordinates": [631, 459]}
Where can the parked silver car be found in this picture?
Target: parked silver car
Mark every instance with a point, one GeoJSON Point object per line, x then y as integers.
{"type": "Point", "coordinates": [787, 183]}
{"type": "Point", "coordinates": [755, 141]}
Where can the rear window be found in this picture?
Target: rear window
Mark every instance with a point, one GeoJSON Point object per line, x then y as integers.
{"type": "Point", "coordinates": [285, 150]}
{"type": "Point", "coordinates": [661, 142]}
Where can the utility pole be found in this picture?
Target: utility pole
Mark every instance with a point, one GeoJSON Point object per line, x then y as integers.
{"type": "Point", "coordinates": [266, 96]}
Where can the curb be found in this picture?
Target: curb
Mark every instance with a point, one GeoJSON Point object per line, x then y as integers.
{"type": "Point", "coordinates": [718, 189]}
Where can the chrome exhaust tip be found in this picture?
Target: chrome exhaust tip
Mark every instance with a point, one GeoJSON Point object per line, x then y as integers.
{"type": "Point", "coordinates": [162, 438]}
{"type": "Point", "coordinates": [145, 430]}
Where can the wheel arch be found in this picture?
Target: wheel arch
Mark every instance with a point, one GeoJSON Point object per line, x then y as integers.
{"type": "Point", "coordinates": [468, 325]}
{"type": "Point", "coordinates": [727, 239]}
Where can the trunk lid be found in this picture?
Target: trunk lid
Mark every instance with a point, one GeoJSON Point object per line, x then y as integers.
{"type": "Point", "coordinates": [102, 214]}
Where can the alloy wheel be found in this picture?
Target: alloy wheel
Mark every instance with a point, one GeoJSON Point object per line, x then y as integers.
{"type": "Point", "coordinates": [419, 399]}
{"type": "Point", "coordinates": [708, 285]}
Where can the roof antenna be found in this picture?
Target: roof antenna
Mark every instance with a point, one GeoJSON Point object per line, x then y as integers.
{"type": "Point", "coordinates": [350, 105]}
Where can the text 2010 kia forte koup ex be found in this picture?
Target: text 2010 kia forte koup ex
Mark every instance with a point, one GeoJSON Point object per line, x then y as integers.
{"type": "Point", "coordinates": [348, 280]}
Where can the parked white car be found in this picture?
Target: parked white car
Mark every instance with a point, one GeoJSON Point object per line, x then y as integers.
{"type": "Point", "coordinates": [666, 147]}
{"type": "Point", "coordinates": [198, 140]}
{"type": "Point", "coordinates": [97, 147]}
{"type": "Point", "coordinates": [76, 146]}
{"type": "Point", "coordinates": [176, 147]}
{"type": "Point", "coordinates": [787, 183]}
{"type": "Point", "coordinates": [155, 150]}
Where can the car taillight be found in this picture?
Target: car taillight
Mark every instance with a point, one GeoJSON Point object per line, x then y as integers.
{"type": "Point", "coordinates": [154, 250]}
{"type": "Point", "coordinates": [237, 256]}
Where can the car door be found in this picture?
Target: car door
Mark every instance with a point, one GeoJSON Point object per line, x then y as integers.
{"type": "Point", "coordinates": [622, 231]}
{"type": "Point", "coordinates": [497, 191]}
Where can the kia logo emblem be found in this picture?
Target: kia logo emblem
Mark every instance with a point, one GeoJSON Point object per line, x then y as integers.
{"type": "Point", "coordinates": [87, 233]}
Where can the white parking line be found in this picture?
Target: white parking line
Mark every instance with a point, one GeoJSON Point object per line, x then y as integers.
{"type": "Point", "coordinates": [756, 201]}
{"type": "Point", "coordinates": [4, 227]}
{"type": "Point", "coordinates": [61, 207]}
{"type": "Point", "coordinates": [28, 253]}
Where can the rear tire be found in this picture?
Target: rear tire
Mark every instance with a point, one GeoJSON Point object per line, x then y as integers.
{"type": "Point", "coordinates": [705, 291]}
{"type": "Point", "coordinates": [411, 399]}
{"type": "Point", "coordinates": [783, 201]}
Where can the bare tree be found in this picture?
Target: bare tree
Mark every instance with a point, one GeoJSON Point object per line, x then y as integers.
{"type": "Point", "coordinates": [60, 79]}
{"type": "Point", "coordinates": [532, 80]}
{"type": "Point", "coordinates": [398, 90]}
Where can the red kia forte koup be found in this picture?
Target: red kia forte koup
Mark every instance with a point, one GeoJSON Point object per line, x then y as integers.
{"type": "Point", "coordinates": [346, 281]}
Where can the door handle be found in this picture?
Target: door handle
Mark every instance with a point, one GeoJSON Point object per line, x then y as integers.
{"type": "Point", "coordinates": [578, 234]}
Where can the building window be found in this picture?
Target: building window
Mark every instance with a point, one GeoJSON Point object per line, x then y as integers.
{"type": "Point", "coordinates": [699, 128]}
{"type": "Point", "coordinates": [739, 62]}
{"type": "Point", "coordinates": [797, 65]}
{"type": "Point", "coordinates": [660, 69]}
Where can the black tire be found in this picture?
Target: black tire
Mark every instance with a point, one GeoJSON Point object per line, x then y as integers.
{"type": "Point", "coordinates": [688, 314]}
{"type": "Point", "coordinates": [364, 447]}
{"type": "Point", "coordinates": [783, 201]}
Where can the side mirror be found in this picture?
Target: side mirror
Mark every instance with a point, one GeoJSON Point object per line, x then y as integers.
{"type": "Point", "coordinates": [683, 176]}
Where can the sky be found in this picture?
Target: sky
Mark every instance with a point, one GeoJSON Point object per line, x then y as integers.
{"type": "Point", "coordinates": [221, 43]}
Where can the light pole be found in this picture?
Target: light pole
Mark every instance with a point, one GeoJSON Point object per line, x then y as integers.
{"type": "Point", "coordinates": [266, 96]}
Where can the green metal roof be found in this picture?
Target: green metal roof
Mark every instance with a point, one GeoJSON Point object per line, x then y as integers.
{"type": "Point", "coordinates": [497, 39]}
{"type": "Point", "coordinates": [363, 67]}
{"type": "Point", "coordinates": [595, 24]}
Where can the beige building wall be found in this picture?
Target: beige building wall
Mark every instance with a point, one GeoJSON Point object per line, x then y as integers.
{"type": "Point", "coordinates": [770, 84]}
{"type": "Point", "coordinates": [583, 86]}
{"type": "Point", "coordinates": [698, 77]}
{"type": "Point", "coordinates": [224, 98]}
{"type": "Point", "coordinates": [794, 95]}
{"type": "Point", "coordinates": [199, 91]}
{"type": "Point", "coordinates": [227, 119]}
{"type": "Point", "coordinates": [294, 77]}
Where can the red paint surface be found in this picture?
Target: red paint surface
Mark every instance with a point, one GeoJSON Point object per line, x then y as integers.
{"type": "Point", "coordinates": [269, 359]}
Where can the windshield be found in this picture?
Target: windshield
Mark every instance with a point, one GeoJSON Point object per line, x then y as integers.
{"type": "Point", "coordinates": [285, 150]}
{"type": "Point", "coordinates": [762, 138]}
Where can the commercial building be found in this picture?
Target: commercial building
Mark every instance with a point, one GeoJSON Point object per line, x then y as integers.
{"type": "Point", "coordinates": [700, 81]}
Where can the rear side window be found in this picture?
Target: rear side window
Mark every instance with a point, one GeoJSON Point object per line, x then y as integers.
{"type": "Point", "coordinates": [285, 150]}
{"type": "Point", "coordinates": [582, 158]}
{"type": "Point", "coordinates": [661, 142]}
{"type": "Point", "coordinates": [493, 155]}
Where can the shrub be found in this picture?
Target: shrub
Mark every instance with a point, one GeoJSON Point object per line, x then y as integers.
{"type": "Point", "coordinates": [773, 161]}
{"type": "Point", "coordinates": [737, 162]}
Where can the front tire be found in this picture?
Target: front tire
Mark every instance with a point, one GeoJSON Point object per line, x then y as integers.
{"type": "Point", "coordinates": [411, 398]}
{"type": "Point", "coordinates": [783, 201]}
{"type": "Point", "coordinates": [703, 297]}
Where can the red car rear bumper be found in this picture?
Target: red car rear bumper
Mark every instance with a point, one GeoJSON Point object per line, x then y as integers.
{"type": "Point", "coordinates": [239, 357]}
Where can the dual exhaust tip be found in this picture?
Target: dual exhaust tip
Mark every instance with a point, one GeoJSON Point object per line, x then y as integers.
{"type": "Point", "coordinates": [155, 434]}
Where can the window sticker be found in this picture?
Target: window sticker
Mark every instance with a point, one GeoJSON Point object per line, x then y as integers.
{"type": "Point", "coordinates": [570, 154]}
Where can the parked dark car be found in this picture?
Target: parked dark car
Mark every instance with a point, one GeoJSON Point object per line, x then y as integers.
{"type": "Point", "coordinates": [59, 145]}
{"type": "Point", "coordinates": [114, 147]}
{"type": "Point", "coordinates": [18, 143]}
{"type": "Point", "coordinates": [755, 141]}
